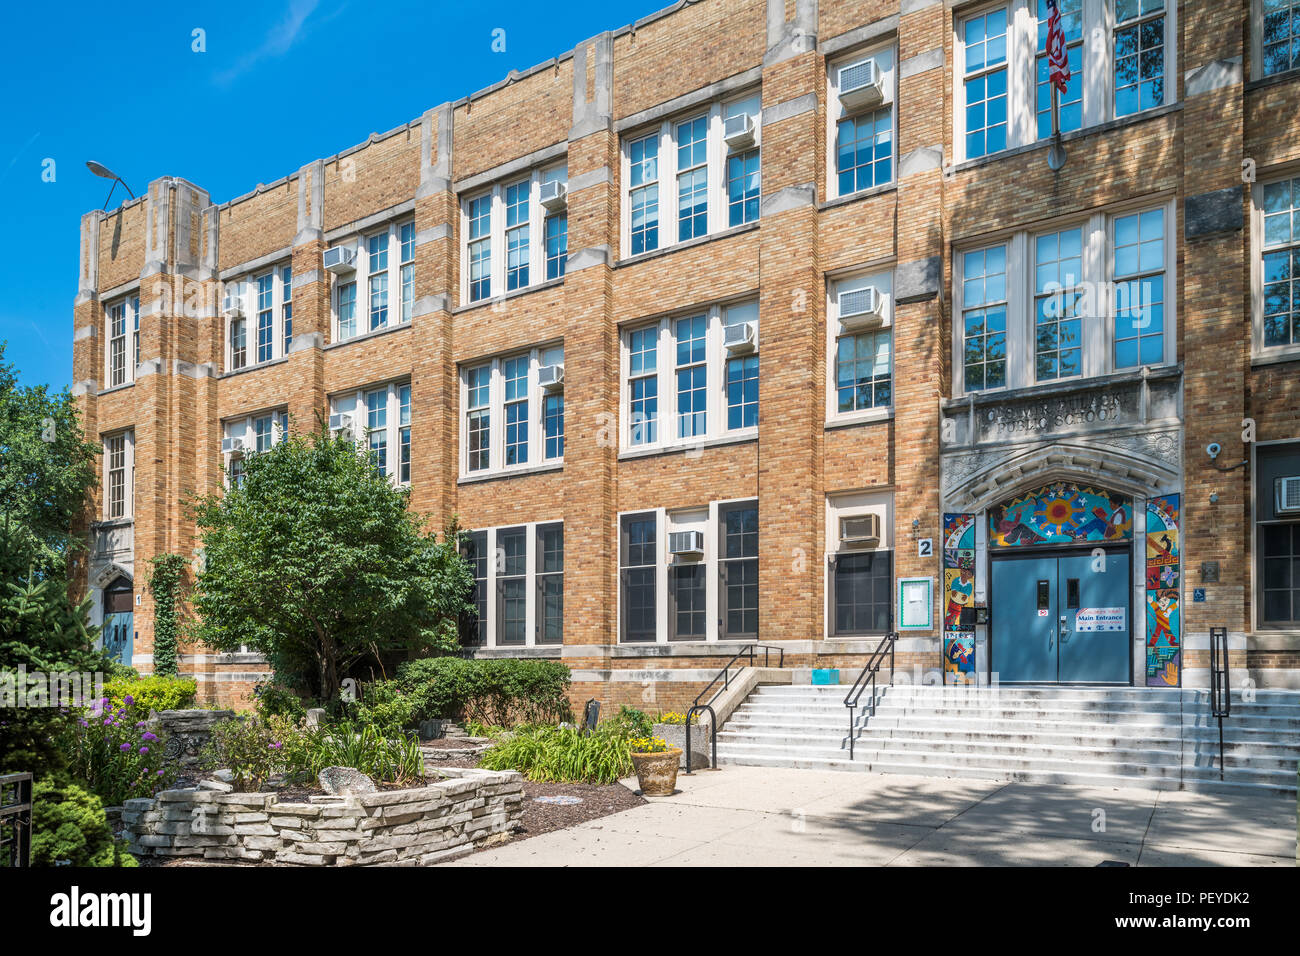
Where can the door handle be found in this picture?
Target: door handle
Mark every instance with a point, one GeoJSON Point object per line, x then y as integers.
{"type": "Point", "coordinates": [1065, 629]}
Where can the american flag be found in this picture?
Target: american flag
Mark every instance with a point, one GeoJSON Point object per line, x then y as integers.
{"type": "Point", "coordinates": [1057, 58]}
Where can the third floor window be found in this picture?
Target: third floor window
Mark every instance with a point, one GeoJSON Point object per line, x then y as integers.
{"type": "Point", "coordinates": [516, 235]}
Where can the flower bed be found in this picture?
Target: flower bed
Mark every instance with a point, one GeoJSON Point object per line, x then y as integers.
{"type": "Point", "coordinates": [472, 808]}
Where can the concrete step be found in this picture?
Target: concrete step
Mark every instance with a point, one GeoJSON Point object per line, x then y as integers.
{"type": "Point", "coordinates": [887, 711]}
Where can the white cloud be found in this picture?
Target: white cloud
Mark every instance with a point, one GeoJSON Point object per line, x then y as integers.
{"type": "Point", "coordinates": [277, 41]}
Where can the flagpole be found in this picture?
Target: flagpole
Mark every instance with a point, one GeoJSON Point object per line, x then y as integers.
{"type": "Point", "coordinates": [1056, 154]}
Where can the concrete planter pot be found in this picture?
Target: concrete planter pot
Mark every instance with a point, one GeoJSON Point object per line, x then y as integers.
{"type": "Point", "coordinates": [674, 735]}
{"type": "Point", "coordinates": [656, 774]}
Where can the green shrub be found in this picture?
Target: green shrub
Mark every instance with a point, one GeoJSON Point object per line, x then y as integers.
{"type": "Point", "coordinates": [360, 746]}
{"type": "Point", "coordinates": [69, 827]}
{"type": "Point", "coordinates": [674, 718]}
{"type": "Point", "coordinates": [492, 691]}
{"type": "Point", "coordinates": [629, 722]}
{"type": "Point", "coordinates": [385, 707]}
{"type": "Point", "coordinates": [563, 754]}
{"type": "Point", "coordinates": [152, 693]}
{"type": "Point", "coordinates": [278, 700]}
{"type": "Point", "coordinates": [253, 749]}
{"type": "Point", "coordinates": [113, 753]}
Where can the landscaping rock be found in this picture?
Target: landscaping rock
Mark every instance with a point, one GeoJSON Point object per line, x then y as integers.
{"type": "Point", "coordinates": [345, 782]}
{"type": "Point", "coordinates": [225, 776]}
{"type": "Point", "coordinates": [217, 786]}
{"type": "Point", "coordinates": [315, 716]}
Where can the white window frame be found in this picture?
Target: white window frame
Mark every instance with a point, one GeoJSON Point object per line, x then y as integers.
{"type": "Point", "coordinates": [245, 427]}
{"type": "Point", "coordinates": [245, 288]}
{"type": "Point", "coordinates": [360, 244]}
{"type": "Point", "coordinates": [537, 215]}
{"type": "Point", "coordinates": [130, 339]}
{"type": "Point", "coordinates": [128, 477]}
{"type": "Point", "coordinates": [857, 505]}
{"type": "Point", "coordinates": [1022, 49]}
{"type": "Point", "coordinates": [715, 164]}
{"type": "Point", "coordinates": [1257, 43]}
{"type": "Point", "coordinates": [353, 402]}
{"type": "Point", "coordinates": [537, 357]}
{"type": "Point", "coordinates": [886, 59]}
{"type": "Point", "coordinates": [849, 281]}
{"type": "Point", "coordinates": [1098, 328]}
{"type": "Point", "coordinates": [494, 562]}
{"type": "Point", "coordinates": [666, 428]}
{"type": "Point", "coordinates": [1258, 348]}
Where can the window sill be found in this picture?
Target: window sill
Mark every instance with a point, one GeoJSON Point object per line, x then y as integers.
{"type": "Point", "coordinates": [519, 472]}
{"type": "Point", "coordinates": [633, 453]}
{"type": "Point", "coordinates": [860, 194]}
{"type": "Point", "coordinates": [513, 294]}
{"type": "Point", "coordinates": [254, 368]}
{"type": "Point", "coordinates": [727, 233]}
{"type": "Point", "coordinates": [701, 648]}
{"type": "Point", "coordinates": [1273, 79]}
{"type": "Point", "coordinates": [1079, 383]}
{"type": "Point", "coordinates": [860, 418]}
{"type": "Point", "coordinates": [1154, 113]}
{"type": "Point", "coordinates": [517, 650]}
{"type": "Point", "coordinates": [366, 336]}
{"type": "Point", "coordinates": [124, 522]}
{"type": "Point", "coordinates": [115, 388]}
{"type": "Point", "coordinates": [1276, 355]}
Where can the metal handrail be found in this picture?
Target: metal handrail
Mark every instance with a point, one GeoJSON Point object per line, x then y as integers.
{"type": "Point", "coordinates": [19, 806]}
{"type": "Point", "coordinates": [713, 734]}
{"type": "Point", "coordinates": [725, 674]}
{"type": "Point", "coordinates": [1220, 683]}
{"type": "Point", "coordinates": [868, 678]}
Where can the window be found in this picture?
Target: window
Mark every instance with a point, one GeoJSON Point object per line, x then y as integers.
{"type": "Point", "coordinates": [1139, 55]}
{"type": "Point", "coordinates": [861, 134]}
{"type": "Point", "coordinates": [286, 305]}
{"type": "Point", "coordinates": [117, 368]}
{"type": "Point", "coordinates": [249, 436]}
{"type": "Point", "coordinates": [377, 258]}
{"type": "Point", "coordinates": [861, 592]}
{"type": "Point", "coordinates": [517, 235]}
{"type": "Point", "coordinates": [742, 188]}
{"type": "Point", "coordinates": [508, 390]}
{"type": "Point", "coordinates": [638, 571]}
{"type": "Point", "coordinates": [738, 571]}
{"type": "Point", "coordinates": [985, 83]}
{"type": "Point", "coordinates": [1279, 36]}
{"type": "Point", "coordinates": [264, 302]}
{"type": "Point", "coordinates": [406, 273]}
{"type": "Point", "coordinates": [865, 151]}
{"type": "Point", "coordinates": [711, 390]}
{"type": "Point", "coordinates": [1281, 574]}
{"type": "Point", "coordinates": [380, 422]}
{"type": "Point", "coordinates": [480, 247]}
{"type": "Point", "coordinates": [119, 475]}
{"type": "Point", "coordinates": [347, 295]}
{"type": "Point", "coordinates": [860, 368]}
{"type": "Point", "coordinates": [376, 273]}
{"type": "Point", "coordinates": [525, 578]}
{"type": "Point", "coordinates": [557, 245]}
{"type": "Point", "coordinates": [1279, 214]}
{"type": "Point", "coordinates": [502, 226]}
{"type": "Point", "coordinates": [1069, 103]}
{"type": "Point", "coordinates": [1058, 337]}
{"type": "Point", "coordinates": [692, 178]}
{"type": "Point", "coordinates": [643, 158]}
{"type": "Point", "coordinates": [135, 330]}
{"type": "Point", "coordinates": [1139, 288]}
{"type": "Point", "coordinates": [1277, 537]}
{"type": "Point", "coordinates": [984, 318]}
{"type": "Point", "coordinates": [238, 344]}
{"type": "Point", "coordinates": [863, 376]}
{"type": "Point", "coordinates": [265, 317]}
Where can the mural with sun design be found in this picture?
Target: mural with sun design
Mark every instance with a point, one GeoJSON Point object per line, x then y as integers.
{"type": "Point", "coordinates": [1061, 513]}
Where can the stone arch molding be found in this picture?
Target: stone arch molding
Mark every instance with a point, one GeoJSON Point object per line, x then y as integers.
{"type": "Point", "coordinates": [109, 573]}
{"type": "Point", "coordinates": [1147, 466]}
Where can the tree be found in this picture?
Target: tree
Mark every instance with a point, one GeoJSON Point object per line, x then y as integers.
{"type": "Point", "coordinates": [315, 559]}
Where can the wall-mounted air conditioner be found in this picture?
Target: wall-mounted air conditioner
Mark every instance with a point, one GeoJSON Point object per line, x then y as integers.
{"type": "Point", "coordinates": [740, 337]}
{"type": "Point", "coordinates": [1287, 491]}
{"type": "Point", "coordinates": [686, 544]}
{"type": "Point", "coordinates": [860, 531]}
{"type": "Point", "coordinates": [554, 195]}
{"type": "Point", "coordinates": [341, 260]}
{"type": "Point", "coordinates": [341, 425]}
{"type": "Point", "coordinates": [232, 446]}
{"type": "Point", "coordinates": [738, 131]}
{"type": "Point", "coordinates": [861, 86]}
{"type": "Point", "coordinates": [861, 308]}
{"type": "Point", "coordinates": [551, 378]}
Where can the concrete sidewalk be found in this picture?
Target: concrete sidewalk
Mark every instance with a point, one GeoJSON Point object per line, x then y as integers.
{"type": "Point", "coordinates": [753, 816]}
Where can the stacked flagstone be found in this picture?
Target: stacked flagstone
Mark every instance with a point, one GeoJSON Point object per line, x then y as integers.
{"type": "Point", "coordinates": [471, 808]}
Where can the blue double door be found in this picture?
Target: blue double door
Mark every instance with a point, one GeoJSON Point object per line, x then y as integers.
{"type": "Point", "coordinates": [1061, 618]}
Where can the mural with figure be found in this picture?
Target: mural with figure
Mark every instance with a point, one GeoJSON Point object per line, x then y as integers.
{"type": "Point", "coordinates": [1061, 513]}
{"type": "Point", "coordinates": [959, 592]}
{"type": "Point", "coordinates": [1163, 577]}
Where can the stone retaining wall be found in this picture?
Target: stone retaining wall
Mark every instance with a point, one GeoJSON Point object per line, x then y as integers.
{"type": "Point", "coordinates": [395, 827]}
{"type": "Point", "coordinates": [186, 732]}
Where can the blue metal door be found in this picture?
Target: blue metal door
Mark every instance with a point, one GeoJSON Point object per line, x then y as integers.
{"type": "Point", "coordinates": [1093, 622]}
{"type": "Point", "coordinates": [1024, 619]}
{"type": "Point", "coordinates": [118, 633]}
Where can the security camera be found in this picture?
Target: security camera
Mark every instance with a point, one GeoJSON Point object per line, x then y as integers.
{"type": "Point", "coordinates": [1213, 449]}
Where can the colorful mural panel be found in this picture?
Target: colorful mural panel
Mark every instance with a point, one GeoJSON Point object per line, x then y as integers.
{"type": "Point", "coordinates": [1061, 513]}
{"type": "Point", "coordinates": [959, 592]}
{"type": "Point", "coordinates": [1163, 576]}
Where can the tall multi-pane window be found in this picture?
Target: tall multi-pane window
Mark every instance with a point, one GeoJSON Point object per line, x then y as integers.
{"type": "Point", "coordinates": [1058, 273]}
{"type": "Point", "coordinates": [863, 371]}
{"type": "Point", "coordinates": [347, 310]}
{"type": "Point", "coordinates": [377, 253]}
{"type": "Point", "coordinates": [1139, 242]}
{"type": "Point", "coordinates": [238, 344]}
{"type": "Point", "coordinates": [865, 150]}
{"type": "Point", "coordinates": [643, 385]}
{"type": "Point", "coordinates": [474, 626]}
{"type": "Point", "coordinates": [264, 432]}
{"type": "Point", "coordinates": [691, 334]}
{"type": "Point", "coordinates": [404, 433]}
{"type": "Point", "coordinates": [117, 345]}
{"type": "Point", "coordinates": [1280, 204]}
{"type": "Point", "coordinates": [517, 196]}
{"type": "Point", "coordinates": [861, 589]}
{"type": "Point", "coordinates": [550, 584]}
{"type": "Point", "coordinates": [286, 305]}
{"type": "Point", "coordinates": [743, 184]}
{"type": "Point", "coordinates": [553, 425]}
{"type": "Point", "coordinates": [638, 569]}
{"type": "Point", "coordinates": [557, 244]}
{"type": "Point", "coordinates": [692, 178]}
{"type": "Point", "coordinates": [1139, 55]}
{"type": "Point", "coordinates": [512, 584]}
{"type": "Point", "coordinates": [1280, 36]}
{"type": "Point", "coordinates": [1069, 103]}
{"type": "Point", "coordinates": [135, 330]}
{"type": "Point", "coordinates": [1280, 574]}
{"type": "Point", "coordinates": [117, 471]}
{"type": "Point", "coordinates": [738, 571]}
{"type": "Point", "coordinates": [984, 318]}
{"type": "Point", "coordinates": [378, 422]}
{"type": "Point", "coordinates": [742, 392]}
{"type": "Point", "coordinates": [985, 83]}
{"type": "Point", "coordinates": [377, 428]}
{"type": "Point", "coordinates": [688, 618]}
{"type": "Point", "coordinates": [406, 236]}
{"type": "Point", "coordinates": [265, 290]}
{"type": "Point", "coordinates": [515, 373]}
{"type": "Point", "coordinates": [480, 247]}
{"type": "Point", "coordinates": [478, 417]}
{"type": "Point", "coordinates": [644, 159]}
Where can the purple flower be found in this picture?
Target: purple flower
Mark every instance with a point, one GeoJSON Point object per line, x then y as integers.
{"type": "Point", "coordinates": [140, 723]}
{"type": "Point", "coordinates": [128, 700]}
{"type": "Point", "coordinates": [124, 748]}
{"type": "Point", "coordinates": [83, 723]}
{"type": "Point", "coordinates": [148, 736]}
{"type": "Point", "coordinates": [107, 721]}
{"type": "Point", "coordinates": [143, 750]}
{"type": "Point", "coordinates": [160, 773]}
{"type": "Point", "coordinates": [276, 746]}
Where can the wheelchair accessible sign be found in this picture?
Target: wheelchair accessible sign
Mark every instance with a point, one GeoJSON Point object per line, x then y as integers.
{"type": "Point", "coordinates": [1101, 619]}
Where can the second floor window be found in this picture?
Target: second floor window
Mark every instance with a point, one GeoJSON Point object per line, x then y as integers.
{"type": "Point", "coordinates": [984, 318]}
{"type": "Point", "coordinates": [1279, 213]}
{"type": "Point", "coordinates": [383, 261]}
{"type": "Point", "coordinates": [985, 83]}
{"type": "Point", "coordinates": [259, 307]}
{"type": "Point", "coordinates": [509, 391]}
{"type": "Point", "coordinates": [119, 475]}
{"type": "Point", "coordinates": [117, 346]}
{"type": "Point", "coordinates": [379, 422]}
{"type": "Point", "coordinates": [251, 435]}
{"type": "Point", "coordinates": [286, 305]}
{"type": "Point", "coordinates": [503, 229]}
{"type": "Point", "coordinates": [1278, 36]}
{"type": "Point", "coordinates": [861, 108]}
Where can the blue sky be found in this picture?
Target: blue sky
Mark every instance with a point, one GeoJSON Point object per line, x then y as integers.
{"type": "Point", "coordinates": [120, 83]}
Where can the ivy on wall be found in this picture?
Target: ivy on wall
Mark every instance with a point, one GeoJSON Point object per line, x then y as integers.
{"type": "Point", "coordinates": [164, 582]}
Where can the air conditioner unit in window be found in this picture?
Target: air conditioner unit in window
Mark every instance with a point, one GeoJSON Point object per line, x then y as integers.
{"type": "Point", "coordinates": [861, 308]}
{"type": "Point", "coordinates": [554, 195]}
{"type": "Point", "coordinates": [551, 378]}
{"type": "Point", "coordinates": [740, 337]}
{"type": "Point", "coordinates": [1287, 491]}
{"type": "Point", "coordinates": [341, 260]}
{"type": "Point", "coordinates": [233, 305]}
{"type": "Point", "coordinates": [341, 425]}
{"type": "Point", "coordinates": [860, 531]}
{"type": "Point", "coordinates": [686, 544]}
{"type": "Point", "coordinates": [861, 86]}
{"type": "Point", "coordinates": [738, 131]}
{"type": "Point", "coordinates": [232, 446]}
